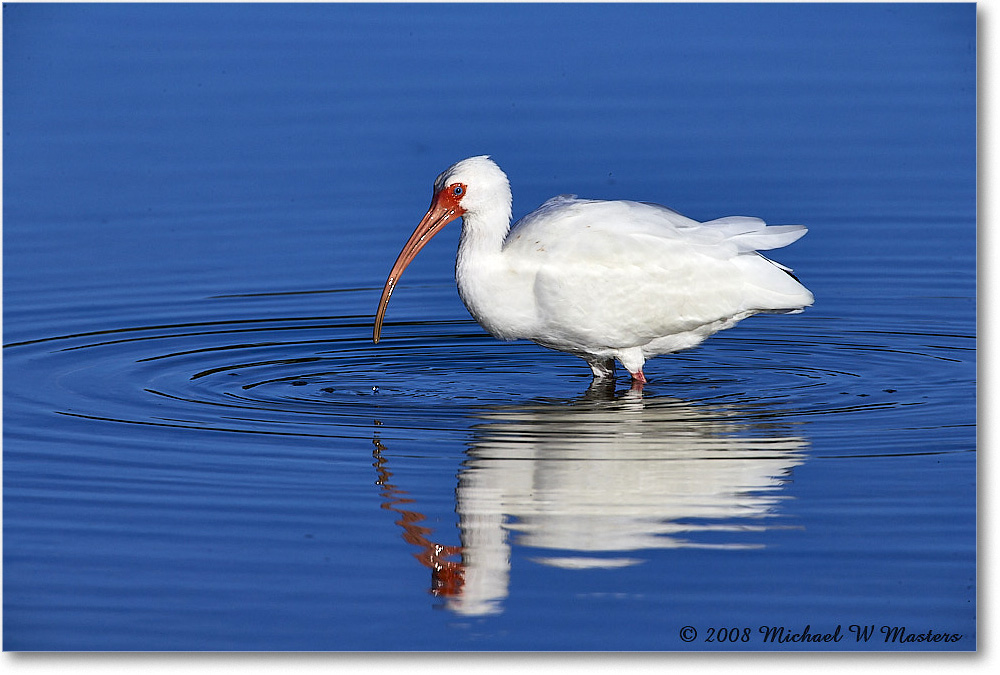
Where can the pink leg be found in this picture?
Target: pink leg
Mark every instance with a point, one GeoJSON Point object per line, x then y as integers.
{"type": "Point", "coordinates": [638, 379]}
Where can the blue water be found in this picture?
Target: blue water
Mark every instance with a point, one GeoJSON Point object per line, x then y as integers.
{"type": "Point", "coordinates": [203, 449]}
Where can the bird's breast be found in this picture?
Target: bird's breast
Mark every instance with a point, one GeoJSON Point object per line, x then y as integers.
{"type": "Point", "coordinates": [499, 294]}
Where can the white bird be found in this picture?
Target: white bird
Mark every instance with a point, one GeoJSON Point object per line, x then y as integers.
{"type": "Point", "coordinates": [603, 280]}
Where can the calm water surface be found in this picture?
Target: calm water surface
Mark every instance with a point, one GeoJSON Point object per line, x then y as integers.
{"type": "Point", "coordinates": [203, 449]}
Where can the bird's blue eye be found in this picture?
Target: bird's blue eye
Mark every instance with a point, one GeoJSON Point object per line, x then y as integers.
{"type": "Point", "coordinates": [457, 191]}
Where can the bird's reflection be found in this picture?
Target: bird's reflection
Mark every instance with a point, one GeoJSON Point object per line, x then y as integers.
{"type": "Point", "coordinates": [446, 573]}
{"type": "Point", "coordinates": [593, 483]}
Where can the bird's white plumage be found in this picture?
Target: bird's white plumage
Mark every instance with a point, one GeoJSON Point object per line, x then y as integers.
{"type": "Point", "coordinates": [611, 279]}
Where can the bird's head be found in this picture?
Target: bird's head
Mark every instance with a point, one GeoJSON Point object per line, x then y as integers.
{"type": "Point", "coordinates": [474, 188]}
{"type": "Point", "coordinates": [475, 185]}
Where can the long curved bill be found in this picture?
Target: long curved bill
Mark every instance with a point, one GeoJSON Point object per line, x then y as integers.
{"type": "Point", "coordinates": [440, 214]}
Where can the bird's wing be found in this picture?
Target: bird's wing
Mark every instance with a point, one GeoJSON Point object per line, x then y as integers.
{"type": "Point", "coordinates": [568, 219]}
{"type": "Point", "coordinates": [628, 272]}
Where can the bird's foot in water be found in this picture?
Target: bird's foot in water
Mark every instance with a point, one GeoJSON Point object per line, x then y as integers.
{"type": "Point", "coordinates": [638, 380]}
{"type": "Point", "coordinates": [603, 369]}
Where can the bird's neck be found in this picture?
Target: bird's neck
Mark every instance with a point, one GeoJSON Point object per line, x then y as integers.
{"type": "Point", "coordinates": [480, 273]}
{"type": "Point", "coordinates": [483, 235]}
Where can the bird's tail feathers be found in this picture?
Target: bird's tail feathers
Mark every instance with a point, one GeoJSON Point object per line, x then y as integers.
{"type": "Point", "coordinates": [753, 234]}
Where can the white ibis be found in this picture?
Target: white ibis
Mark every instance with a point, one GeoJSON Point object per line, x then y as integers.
{"type": "Point", "coordinates": [604, 280]}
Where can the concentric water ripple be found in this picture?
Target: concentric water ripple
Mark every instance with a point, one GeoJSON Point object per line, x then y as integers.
{"type": "Point", "coordinates": [321, 375]}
